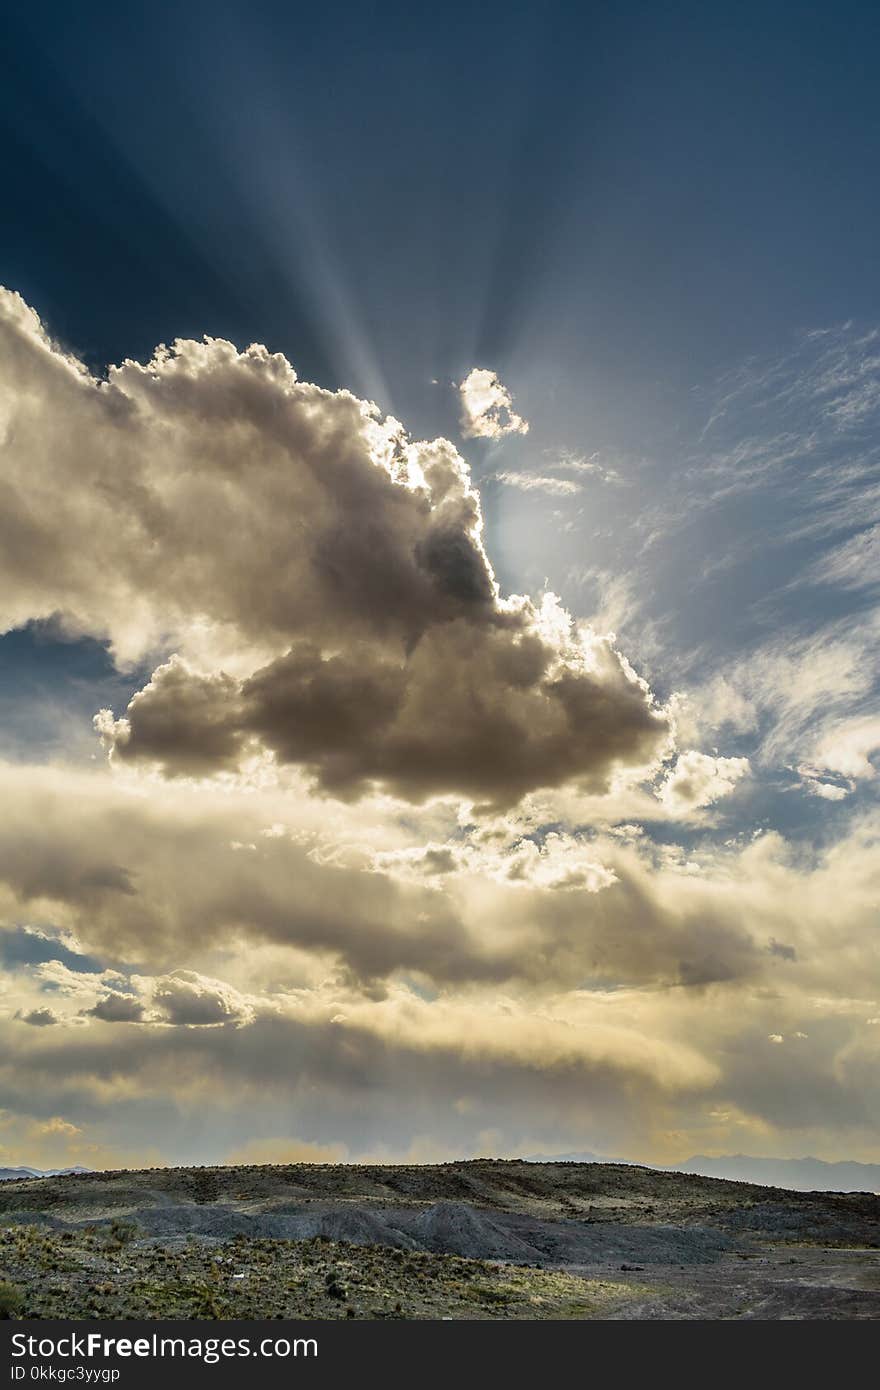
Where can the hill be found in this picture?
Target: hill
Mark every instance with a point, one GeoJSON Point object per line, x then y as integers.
{"type": "Point", "coordinates": [481, 1238]}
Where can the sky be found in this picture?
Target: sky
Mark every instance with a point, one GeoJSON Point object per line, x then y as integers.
{"type": "Point", "coordinates": [439, 582]}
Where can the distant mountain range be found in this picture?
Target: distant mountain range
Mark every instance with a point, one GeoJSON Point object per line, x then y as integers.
{"type": "Point", "coordinates": [798, 1174]}
{"type": "Point", "coordinates": [7, 1173]}
{"type": "Point", "coordinates": [795, 1174]}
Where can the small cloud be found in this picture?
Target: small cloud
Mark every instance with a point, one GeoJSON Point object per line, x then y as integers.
{"type": "Point", "coordinates": [535, 482]}
{"type": "Point", "coordinates": [487, 407]}
{"type": "Point", "coordinates": [847, 750]}
{"type": "Point", "coordinates": [118, 1008]}
{"type": "Point", "coordinates": [592, 466]}
{"type": "Point", "coordinates": [775, 1037]}
{"type": "Point", "coordinates": [829, 791]}
{"type": "Point", "coordinates": [698, 780]}
{"type": "Point", "coordinates": [58, 1126]}
{"type": "Point", "coordinates": [429, 860]}
{"type": "Point", "coordinates": [560, 863]}
{"type": "Point", "coordinates": [39, 1018]}
{"type": "Point", "coordinates": [190, 1000]}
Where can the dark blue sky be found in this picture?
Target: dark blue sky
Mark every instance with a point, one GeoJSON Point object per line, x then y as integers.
{"type": "Point", "coordinates": [388, 192]}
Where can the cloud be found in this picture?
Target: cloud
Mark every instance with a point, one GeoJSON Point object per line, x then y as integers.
{"type": "Point", "coordinates": [39, 1018]}
{"type": "Point", "coordinates": [187, 999]}
{"type": "Point", "coordinates": [420, 860]}
{"type": "Point", "coordinates": [535, 910]}
{"type": "Point", "coordinates": [790, 692]}
{"type": "Point", "coordinates": [559, 863]}
{"type": "Point", "coordinates": [540, 908]}
{"type": "Point", "coordinates": [373, 1075]}
{"type": "Point", "coordinates": [828, 791]}
{"type": "Point", "coordinates": [589, 983]}
{"type": "Point", "coordinates": [191, 885]}
{"type": "Point", "coordinates": [534, 482]}
{"type": "Point", "coordinates": [217, 504]}
{"type": "Point", "coordinates": [356, 1073]}
{"type": "Point", "coordinates": [843, 752]}
{"type": "Point", "coordinates": [853, 564]}
{"type": "Point", "coordinates": [487, 407]}
{"type": "Point", "coordinates": [118, 1008]}
{"type": "Point", "coordinates": [487, 712]}
{"type": "Point", "coordinates": [847, 749]}
{"type": "Point", "coordinates": [363, 866]}
{"type": "Point", "coordinates": [593, 466]}
{"type": "Point", "coordinates": [698, 779]}
{"type": "Point", "coordinates": [316, 581]}
{"type": "Point", "coordinates": [558, 462]}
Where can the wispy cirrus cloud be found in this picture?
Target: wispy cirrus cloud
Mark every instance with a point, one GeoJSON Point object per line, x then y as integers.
{"type": "Point", "coordinates": [592, 465]}
{"type": "Point", "coordinates": [535, 482]}
{"type": "Point", "coordinates": [852, 564]}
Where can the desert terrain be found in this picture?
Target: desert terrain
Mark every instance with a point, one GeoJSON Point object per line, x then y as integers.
{"type": "Point", "coordinates": [479, 1239]}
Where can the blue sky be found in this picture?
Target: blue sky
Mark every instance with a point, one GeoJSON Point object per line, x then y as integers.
{"type": "Point", "coordinates": [658, 227]}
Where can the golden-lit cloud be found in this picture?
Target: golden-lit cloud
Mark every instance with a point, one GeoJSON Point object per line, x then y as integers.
{"type": "Point", "coordinates": [317, 580]}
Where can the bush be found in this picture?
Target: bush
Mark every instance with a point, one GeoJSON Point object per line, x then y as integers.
{"type": "Point", "coordinates": [11, 1299]}
{"type": "Point", "coordinates": [123, 1231]}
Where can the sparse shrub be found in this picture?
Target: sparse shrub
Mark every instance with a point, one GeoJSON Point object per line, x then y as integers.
{"type": "Point", "coordinates": [123, 1231]}
{"type": "Point", "coordinates": [206, 1303]}
{"type": "Point", "coordinates": [11, 1299]}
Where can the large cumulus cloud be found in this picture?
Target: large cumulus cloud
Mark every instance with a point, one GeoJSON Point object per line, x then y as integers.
{"type": "Point", "coordinates": [488, 711]}
{"type": "Point", "coordinates": [320, 578]}
{"type": "Point", "coordinates": [212, 499]}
